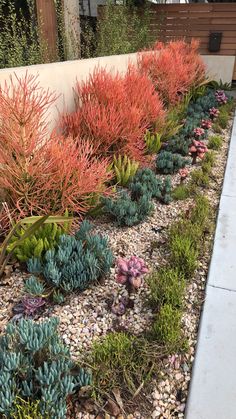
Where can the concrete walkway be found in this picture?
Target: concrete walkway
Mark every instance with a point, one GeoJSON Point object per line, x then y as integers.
{"type": "Point", "coordinates": [213, 385]}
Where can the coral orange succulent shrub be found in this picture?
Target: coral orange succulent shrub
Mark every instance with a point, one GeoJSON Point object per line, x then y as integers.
{"type": "Point", "coordinates": [174, 68]}
{"type": "Point", "coordinates": [114, 111]}
{"type": "Point", "coordinates": [42, 174]}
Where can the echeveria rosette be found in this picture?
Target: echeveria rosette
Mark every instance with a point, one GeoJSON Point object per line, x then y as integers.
{"type": "Point", "coordinates": [221, 97]}
{"type": "Point", "coordinates": [199, 132]}
{"type": "Point", "coordinates": [206, 124]}
{"type": "Point", "coordinates": [197, 150]}
{"type": "Point", "coordinates": [214, 112]}
{"type": "Point", "coordinates": [130, 271]}
{"type": "Point", "coordinates": [183, 173]}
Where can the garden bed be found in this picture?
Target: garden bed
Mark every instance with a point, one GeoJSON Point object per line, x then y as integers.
{"type": "Point", "coordinates": [132, 330]}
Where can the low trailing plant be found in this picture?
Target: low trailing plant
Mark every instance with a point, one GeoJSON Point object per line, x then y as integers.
{"type": "Point", "coordinates": [166, 286]}
{"type": "Point", "coordinates": [125, 169]}
{"type": "Point", "coordinates": [126, 211]}
{"type": "Point", "coordinates": [36, 365]}
{"type": "Point", "coordinates": [167, 328]}
{"type": "Point", "coordinates": [26, 409]}
{"type": "Point", "coordinates": [76, 262]}
{"type": "Point", "coordinates": [215, 142]}
{"type": "Point", "coordinates": [169, 163]}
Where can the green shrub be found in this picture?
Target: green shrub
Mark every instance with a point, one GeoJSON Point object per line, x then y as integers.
{"type": "Point", "coordinates": [76, 262]}
{"type": "Point", "coordinates": [146, 182]}
{"type": "Point", "coordinates": [215, 142]}
{"type": "Point", "coordinates": [120, 360]}
{"type": "Point", "coordinates": [36, 365]}
{"type": "Point", "coordinates": [223, 118]}
{"type": "Point", "coordinates": [210, 158]}
{"type": "Point", "coordinates": [169, 163]}
{"type": "Point", "coordinates": [201, 211]}
{"type": "Point", "coordinates": [167, 328]}
{"type": "Point", "coordinates": [167, 286]}
{"type": "Point", "coordinates": [127, 212]}
{"type": "Point", "coordinates": [216, 127]}
{"type": "Point", "coordinates": [181, 192]}
{"type": "Point", "coordinates": [183, 254]}
{"type": "Point", "coordinates": [200, 178]}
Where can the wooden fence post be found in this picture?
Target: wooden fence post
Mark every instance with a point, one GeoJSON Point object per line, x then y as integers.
{"type": "Point", "coordinates": [47, 21]}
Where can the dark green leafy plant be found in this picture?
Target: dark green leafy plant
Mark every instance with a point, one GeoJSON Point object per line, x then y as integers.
{"type": "Point", "coordinates": [169, 163]}
{"type": "Point", "coordinates": [36, 365]}
{"type": "Point", "coordinates": [76, 262]}
{"type": "Point", "coordinates": [167, 286]}
{"type": "Point", "coordinates": [178, 144]}
{"type": "Point", "coordinates": [127, 212]}
{"type": "Point", "coordinates": [146, 182]}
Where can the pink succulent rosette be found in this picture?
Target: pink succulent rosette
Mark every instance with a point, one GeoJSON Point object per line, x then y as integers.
{"type": "Point", "coordinates": [206, 124]}
{"type": "Point", "coordinates": [197, 149]}
{"type": "Point", "coordinates": [221, 97]}
{"type": "Point", "coordinates": [199, 132]}
{"type": "Point", "coordinates": [214, 112]}
{"type": "Point", "coordinates": [130, 271]}
{"type": "Point", "coordinates": [183, 173]}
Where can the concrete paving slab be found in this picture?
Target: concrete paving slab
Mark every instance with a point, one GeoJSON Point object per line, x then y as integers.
{"type": "Point", "coordinates": [222, 271]}
{"type": "Point", "coordinates": [213, 384]}
{"type": "Point", "coordinates": [229, 186]}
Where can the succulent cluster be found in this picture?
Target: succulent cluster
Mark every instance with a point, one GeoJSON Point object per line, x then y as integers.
{"type": "Point", "coordinates": [124, 169]}
{"type": "Point", "coordinates": [221, 97]}
{"type": "Point", "coordinates": [197, 149]}
{"type": "Point", "coordinates": [206, 123]}
{"type": "Point", "coordinates": [130, 271]}
{"type": "Point", "coordinates": [45, 238]}
{"type": "Point", "coordinates": [214, 112]}
{"type": "Point", "coordinates": [199, 132]}
{"type": "Point", "coordinates": [146, 182]}
{"type": "Point", "coordinates": [76, 262]}
{"type": "Point", "coordinates": [36, 365]}
{"type": "Point", "coordinates": [126, 211]}
{"type": "Point", "coordinates": [169, 163]}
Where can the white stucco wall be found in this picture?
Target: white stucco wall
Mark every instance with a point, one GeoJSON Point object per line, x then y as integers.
{"type": "Point", "coordinates": [61, 77]}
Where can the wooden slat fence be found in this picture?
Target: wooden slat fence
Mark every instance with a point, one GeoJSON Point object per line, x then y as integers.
{"type": "Point", "coordinates": [176, 21]}
{"type": "Point", "coordinates": [46, 16]}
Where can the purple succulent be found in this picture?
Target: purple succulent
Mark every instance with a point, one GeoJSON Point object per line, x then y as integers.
{"type": "Point", "coordinates": [221, 97]}
{"type": "Point", "coordinates": [130, 271]}
{"type": "Point", "coordinates": [32, 304]}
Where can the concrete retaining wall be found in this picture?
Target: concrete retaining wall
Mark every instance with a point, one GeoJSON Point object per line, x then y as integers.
{"type": "Point", "coordinates": [61, 77]}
